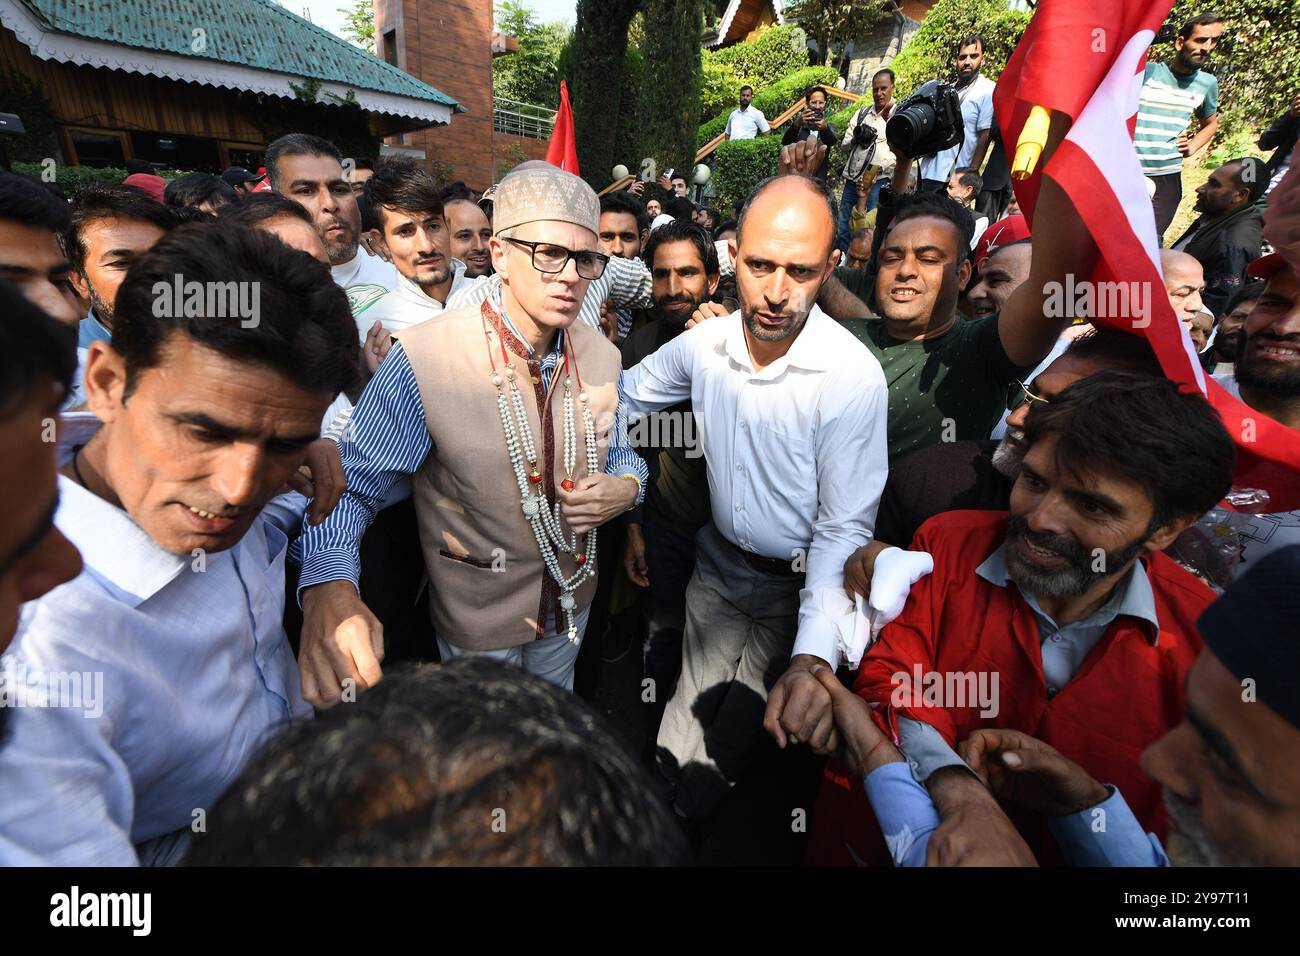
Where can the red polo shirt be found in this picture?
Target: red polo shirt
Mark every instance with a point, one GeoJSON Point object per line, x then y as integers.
{"type": "Point", "coordinates": [1127, 693]}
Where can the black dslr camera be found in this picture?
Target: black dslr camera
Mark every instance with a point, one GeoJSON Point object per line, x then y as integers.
{"type": "Point", "coordinates": [864, 135]}
{"type": "Point", "coordinates": [927, 122]}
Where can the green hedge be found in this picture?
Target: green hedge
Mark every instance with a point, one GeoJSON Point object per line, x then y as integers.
{"type": "Point", "coordinates": [739, 165]}
{"type": "Point", "coordinates": [773, 100]}
{"type": "Point", "coordinates": [72, 179]}
{"type": "Point", "coordinates": [775, 53]}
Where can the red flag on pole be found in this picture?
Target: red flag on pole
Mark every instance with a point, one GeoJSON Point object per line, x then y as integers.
{"type": "Point", "coordinates": [563, 150]}
{"type": "Point", "coordinates": [1087, 61]}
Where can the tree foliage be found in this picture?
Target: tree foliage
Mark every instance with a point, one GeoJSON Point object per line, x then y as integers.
{"type": "Point", "coordinates": [773, 54]}
{"type": "Point", "coordinates": [599, 51]}
{"type": "Point", "coordinates": [359, 24]}
{"type": "Point", "coordinates": [531, 74]}
{"type": "Point", "coordinates": [834, 23]}
{"type": "Point", "coordinates": [670, 93]}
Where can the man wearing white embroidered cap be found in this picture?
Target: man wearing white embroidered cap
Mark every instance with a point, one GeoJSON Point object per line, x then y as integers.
{"type": "Point", "coordinates": [504, 416]}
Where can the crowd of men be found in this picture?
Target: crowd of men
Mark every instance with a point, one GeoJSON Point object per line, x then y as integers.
{"type": "Point", "coordinates": [328, 484]}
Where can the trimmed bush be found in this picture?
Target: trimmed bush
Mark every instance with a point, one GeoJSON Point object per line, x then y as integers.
{"type": "Point", "coordinates": [772, 100]}
{"type": "Point", "coordinates": [740, 165]}
{"type": "Point", "coordinates": [72, 179]}
{"type": "Point", "coordinates": [775, 53]}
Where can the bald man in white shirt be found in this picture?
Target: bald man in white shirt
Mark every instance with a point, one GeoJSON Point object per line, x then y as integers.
{"type": "Point", "coordinates": [791, 413]}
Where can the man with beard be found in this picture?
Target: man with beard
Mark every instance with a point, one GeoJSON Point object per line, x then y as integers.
{"type": "Point", "coordinates": [1064, 606]}
{"type": "Point", "coordinates": [175, 505]}
{"type": "Point", "coordinates": [1267, 378]}
{"type": "Point", "coordinates": [412, 234]}
{"type": "Point", "coordinates": [1228, 333]}
{"type": "Point", "coordinates": [112, 226]}
{"type": "Point", "coordinates": [660, 553]}
{"type": "Point", "coordinates": [510, 479]}
{"type": "Point", "coordinates": [470, 231]}
{"type": "Point", "coordinates": [952, 476]}
{"type": "Point", "coordinates": [309, 170]}
{"type": "Point", "coordinates": [1226, 237]}
{"type": "Point", "coordinates": [975, 91]}
{"type": "Point", "coordinates": [790, 411]}
{"type": "Point", "coordinates": [1171, 94]}
{"type": "Point", "coordinates": [1229, 771]}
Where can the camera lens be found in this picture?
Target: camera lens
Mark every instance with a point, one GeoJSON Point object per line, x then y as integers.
{"type": "Point", "coordinates": [910, 126]}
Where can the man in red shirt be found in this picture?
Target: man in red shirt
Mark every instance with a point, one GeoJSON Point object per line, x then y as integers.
{"type": "Point", "coordinates": [1060, 619]}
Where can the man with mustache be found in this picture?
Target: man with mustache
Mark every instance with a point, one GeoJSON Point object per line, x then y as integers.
{"type": "Point", "coordinates": [1088, 627]}
{"type": "Point", "coordinates": [1226, 237]}
{"type": "Point", "coordinates": [1232, 323]}
{"type": "Point", "coordinates": [309, 170]}
{"type": "Point", "coordinates": [412, 234]}
{"type": "Point", "coordinates": [1230, 772]}
{"type": "Point", "coordinates": [471, 233]}
{"type": "Point", "coordinates": [790, 410]}
{"type": "Point", "coordinates": [111, 227]}
{"type": "Point", "coordinates": [1266, 377]}
{"type": "Point", "coordinates": [660, 552]}
{"type": "Point", "coordinates": [1172, 93]}
{"type": "Point", "coordinates": [175, 504]}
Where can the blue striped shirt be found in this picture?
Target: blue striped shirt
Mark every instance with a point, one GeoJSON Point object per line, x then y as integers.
{"type": "Point", "coordinates": [388, 440]}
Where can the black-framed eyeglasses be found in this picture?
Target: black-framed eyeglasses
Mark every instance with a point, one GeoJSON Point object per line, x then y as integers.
{"type": "Point", "coordinates": [550, 258]}
{"type": "Point", "coordinates": [1018, 393]}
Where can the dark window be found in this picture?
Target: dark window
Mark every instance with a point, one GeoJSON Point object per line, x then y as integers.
{"type": "Point", "coordinates": [178, 152]}
{"type": "Point", "coordinates": [390, 47]}
{"type": "Point", "coordinates": [98, 149]}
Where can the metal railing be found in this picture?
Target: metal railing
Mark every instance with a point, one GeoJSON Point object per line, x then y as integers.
{"type": "Point", "coordinates": [522, 119]}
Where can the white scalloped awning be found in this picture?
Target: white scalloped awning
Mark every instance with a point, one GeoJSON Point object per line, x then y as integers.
{"type": "Point", "coordinates": [79, 51]}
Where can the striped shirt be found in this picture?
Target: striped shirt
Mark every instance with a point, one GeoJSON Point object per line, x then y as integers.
{"type": "Point", "coordinates": [388, 440]}
{"type": "Point", "coordinates": [1165, 109]}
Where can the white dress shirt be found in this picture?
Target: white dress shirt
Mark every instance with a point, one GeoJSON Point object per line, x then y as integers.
{"type": "Point", "coordinates": [184, 670]}
{"type": "Point", "coordinates": [747, 123]}
{"type": "Point", "coordinates": [408, 304]}
{"type": "Point", "coordinates": [796, 452]}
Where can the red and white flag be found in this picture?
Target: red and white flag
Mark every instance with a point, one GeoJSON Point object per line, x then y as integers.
{"type": "Point", "coordinates": [1087, 60]}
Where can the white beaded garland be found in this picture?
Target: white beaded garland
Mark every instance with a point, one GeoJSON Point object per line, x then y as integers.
{"type": "Point", "coordinates": [545, 521]}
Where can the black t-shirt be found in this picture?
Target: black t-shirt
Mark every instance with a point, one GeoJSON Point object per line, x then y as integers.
{"type": "Point", "coordinates": [949, 476]}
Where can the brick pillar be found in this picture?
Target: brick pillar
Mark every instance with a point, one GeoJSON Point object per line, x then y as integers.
{"type": "Point", "coordinates": [447, 44]}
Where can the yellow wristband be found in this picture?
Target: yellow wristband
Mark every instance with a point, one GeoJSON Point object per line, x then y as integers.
{"type": "Point", "coordinates": [638, 489]}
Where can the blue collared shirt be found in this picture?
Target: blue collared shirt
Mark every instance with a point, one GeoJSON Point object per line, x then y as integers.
{"type": "Point", "coordinates": [146, 683]}
{"type": "Point", "coordinates": [1064, 650]}
{"type": "Point", "coordinates": [90, 330]}
{"type": "Point", "coordinates": [1105, 835]}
